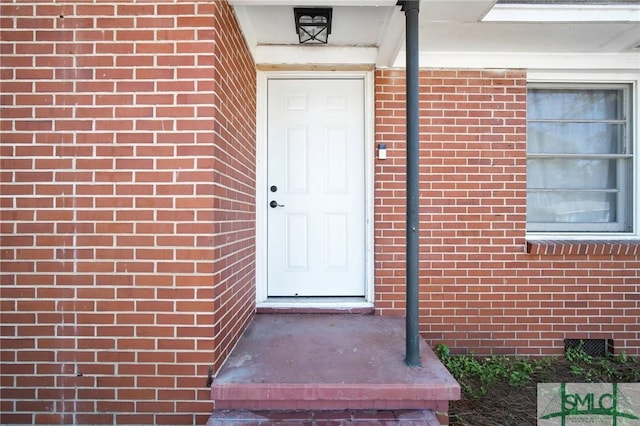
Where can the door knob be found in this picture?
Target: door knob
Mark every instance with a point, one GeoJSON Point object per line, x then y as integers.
{"type": "Point", "coordinates": [275, 204]}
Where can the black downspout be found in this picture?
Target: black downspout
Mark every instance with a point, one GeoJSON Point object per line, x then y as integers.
{"type": "Point", "coordinates": [411, 9]}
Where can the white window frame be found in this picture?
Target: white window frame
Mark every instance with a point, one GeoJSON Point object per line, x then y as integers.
{"type": "Point", "coordinates": [596, 80]}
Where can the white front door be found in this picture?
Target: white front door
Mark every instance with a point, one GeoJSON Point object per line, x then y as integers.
{"type": "Point", "coordinates": [316, 187]}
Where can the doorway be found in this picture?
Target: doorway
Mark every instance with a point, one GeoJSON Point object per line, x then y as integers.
{"type": "Point", "coordinates": [315, 198]}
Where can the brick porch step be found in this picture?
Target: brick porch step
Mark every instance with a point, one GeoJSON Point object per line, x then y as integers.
{"type": "Point", "coordinates": [325, 418]}
{"type": "Point", "coordinates": [319, 362]}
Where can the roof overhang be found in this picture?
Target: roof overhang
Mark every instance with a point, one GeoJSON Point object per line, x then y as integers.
{"type": "Point", "coordinates": [453, 33]}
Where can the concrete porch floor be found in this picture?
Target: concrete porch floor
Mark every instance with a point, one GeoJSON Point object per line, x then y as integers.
{"type": "Point", "coordinates": [323, 362]}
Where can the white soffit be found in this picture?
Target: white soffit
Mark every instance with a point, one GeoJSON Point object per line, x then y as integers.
{"type": "Point", "coordinates": [504, 12]}
{"type": "Point", "coordinates": [363, 32]}
{"type": "Point", "coordinates": [313, 3]}
{"type": "Point", "coordinates": [549, 43]}
{"type": "Point", "coordinates": [453, 33]}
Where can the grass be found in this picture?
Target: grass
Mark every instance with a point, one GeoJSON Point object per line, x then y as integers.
{"type": "Point", "coordinates": [500, 390]}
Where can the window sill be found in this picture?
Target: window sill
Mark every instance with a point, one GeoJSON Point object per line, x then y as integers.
{"type": "Point", "coordinates": [593, 248]}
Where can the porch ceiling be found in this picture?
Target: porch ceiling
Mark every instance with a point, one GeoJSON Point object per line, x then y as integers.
{"type": "Point", "coordinates": [452, 32]}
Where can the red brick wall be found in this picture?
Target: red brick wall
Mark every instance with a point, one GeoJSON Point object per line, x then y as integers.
{"type": "Point", "coordinates": [234, 177]}
{"type": "Point", "coordinates": [481, 288]}
{"type": "Point", "coordinates": [115, 284]}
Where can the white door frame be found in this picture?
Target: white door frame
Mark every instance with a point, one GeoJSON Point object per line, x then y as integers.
{"type": "Point", "coordinates": [261, 191]}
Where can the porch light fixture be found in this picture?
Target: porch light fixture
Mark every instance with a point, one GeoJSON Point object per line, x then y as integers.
{"type": "Point", "coordinates": [313, 25]}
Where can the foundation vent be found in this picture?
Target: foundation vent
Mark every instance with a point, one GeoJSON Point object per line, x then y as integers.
{"type": "Point", "coordinates": [592, 347]}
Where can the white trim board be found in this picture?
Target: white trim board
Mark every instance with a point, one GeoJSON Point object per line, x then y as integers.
{"type": "Point", "coordinates": [627, 62]}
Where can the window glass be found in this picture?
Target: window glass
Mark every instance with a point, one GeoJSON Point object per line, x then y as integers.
{"type": "Point", "coordinates": [567, 207]}
{"type": "Point", "coordinates": [579, 161]}
{"type": "Point", "coordinates": [572, 173]}
{"type": "Point", "coordinates": [578, 138]}
{"type": "Point", "coordinates": [573, 104]}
